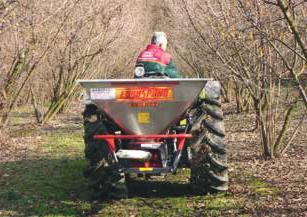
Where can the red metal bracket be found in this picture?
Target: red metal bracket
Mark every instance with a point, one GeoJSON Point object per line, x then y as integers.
{"type": "Point", "coordinates": [110, 139]}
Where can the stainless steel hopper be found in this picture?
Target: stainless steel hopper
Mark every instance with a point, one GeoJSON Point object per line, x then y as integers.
{"type": "Point", "coordinates": [143, 106]}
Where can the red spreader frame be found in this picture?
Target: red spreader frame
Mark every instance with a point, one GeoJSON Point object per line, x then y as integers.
{"type": "Point", "coordinates": [110, 140]}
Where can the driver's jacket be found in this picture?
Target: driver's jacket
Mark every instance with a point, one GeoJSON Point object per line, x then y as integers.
{"type": "Point", "coordinates": [155, 59]}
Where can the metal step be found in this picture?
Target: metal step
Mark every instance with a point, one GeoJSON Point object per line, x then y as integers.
{"type": "Point", "coordinates": [133, 154]}
{"type": "Point", "coordinates": [151, 145]}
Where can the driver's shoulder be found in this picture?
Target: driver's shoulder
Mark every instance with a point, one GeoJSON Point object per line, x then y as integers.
{"type": "Point", "coordinates": [166, 58]}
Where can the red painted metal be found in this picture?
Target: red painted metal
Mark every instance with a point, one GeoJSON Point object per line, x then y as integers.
{"type": "Point", "coordinates": [110, 139]}
{"type": "Point", "coordinates": [153, 136]}
{"type": "Point", "coordinates": [111, 144]}
{"type": "Point", "coordinates": [181, 143]}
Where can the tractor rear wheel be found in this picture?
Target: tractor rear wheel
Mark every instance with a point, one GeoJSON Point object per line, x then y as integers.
{"type": "Point", "coordinates": [105, 180]}
{"type": "Point", "coordinates": [209, 158]}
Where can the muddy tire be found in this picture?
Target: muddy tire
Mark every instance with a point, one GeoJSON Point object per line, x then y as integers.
{"type": "Point", "coordinates": [105, 180]}
{"type": "Point", "coordinates": [209, 155]}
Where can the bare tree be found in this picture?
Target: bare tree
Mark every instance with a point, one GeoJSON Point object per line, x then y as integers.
{"type": "Point", "coordinates": [48, 45]}
{"type": "Point", "coordinates": [230, 41]}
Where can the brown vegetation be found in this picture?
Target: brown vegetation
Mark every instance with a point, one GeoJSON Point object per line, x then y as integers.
{"type": "Point", "coordinates": [46, 46]}
{"type": "Point", "coordinates": [256, 48]}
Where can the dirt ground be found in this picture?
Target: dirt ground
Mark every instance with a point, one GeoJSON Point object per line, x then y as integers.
{"type": "Point", "coordinates": [258, 187]}
{"type": "Point", "coordinates": [288, 175]}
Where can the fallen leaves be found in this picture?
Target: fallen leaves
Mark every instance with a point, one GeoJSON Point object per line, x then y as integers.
{"type": "Point", "coordinates": [288, 174]}
{"type": "Point", "coordinates": [17, 148]}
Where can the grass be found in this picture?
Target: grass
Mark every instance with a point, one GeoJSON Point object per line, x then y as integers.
{"type": "Point", "coordinates": [173, 206]}
{"type": "Point", "coordinates": [53, 185]}
{"type": "Point", "coordinates": [20, 116]}
{"type": "Point", "coordinates": [170, 197]}
{"type": "Point", "coordinates": [262, 188]}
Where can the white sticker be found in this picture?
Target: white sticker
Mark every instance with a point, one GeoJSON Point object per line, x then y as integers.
{"type": "Point", "coordinates": [103, 93]}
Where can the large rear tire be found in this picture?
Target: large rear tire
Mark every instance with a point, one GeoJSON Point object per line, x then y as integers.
{"type": "Point", "coordinates": [209, 155]}
{"type": "Point", "coordinates": [105, 180]}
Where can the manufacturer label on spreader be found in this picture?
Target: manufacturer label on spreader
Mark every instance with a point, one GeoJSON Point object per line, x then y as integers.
{"type": "Point", "coordinates": [103, 93]}
{"type": "Point", "coordinates": [145, 94]}
{"type": "Point", "coordinates": [134, 94]}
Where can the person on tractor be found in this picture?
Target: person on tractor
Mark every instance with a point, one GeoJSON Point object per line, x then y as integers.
{"type": "Point", "coordinates": [155, 59]}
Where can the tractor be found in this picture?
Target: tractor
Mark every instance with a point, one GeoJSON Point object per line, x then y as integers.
{"type": "Point", "coordinates": [151, 126]}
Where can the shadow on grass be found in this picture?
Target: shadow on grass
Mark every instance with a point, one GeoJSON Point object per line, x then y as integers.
{"type": "Point", "coordinates": [158, 189]}
{"type": "Point", "coordinates": [56, 187]}
{"type": "Point", "coordinates": [44, 187]}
